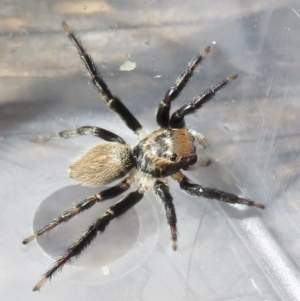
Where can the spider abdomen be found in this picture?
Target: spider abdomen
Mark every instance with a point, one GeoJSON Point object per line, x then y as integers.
{"type": "Point", "coordinates": [165, 151]}
{"type": "Point", "coordinates": [102, 164]}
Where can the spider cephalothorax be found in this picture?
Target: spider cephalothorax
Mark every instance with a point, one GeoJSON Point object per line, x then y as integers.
{"type": "Point", "coordinates": [163, 153]}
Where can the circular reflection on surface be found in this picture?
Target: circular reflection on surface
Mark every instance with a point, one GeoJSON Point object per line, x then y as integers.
{"type": "Point", "coordinates": [124, 245]}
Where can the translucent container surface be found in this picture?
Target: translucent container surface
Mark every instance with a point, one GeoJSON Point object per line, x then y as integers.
{"type": "Point", "coordinates": [225, 252]}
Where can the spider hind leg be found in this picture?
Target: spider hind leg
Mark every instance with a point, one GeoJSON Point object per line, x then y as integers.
{"type": "Point", "coordinates": [82, 206]}
{"type": "Point", "coordinates": [83, 130]}
{"type": "Point", "coordinates": [90, 234]}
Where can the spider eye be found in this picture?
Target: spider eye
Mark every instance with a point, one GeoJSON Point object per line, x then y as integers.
{"type": "Point", "coordinates": [173, 157]}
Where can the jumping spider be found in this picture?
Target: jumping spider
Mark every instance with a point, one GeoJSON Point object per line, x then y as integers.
{"type": "Point", "coordinates": [163, 153]}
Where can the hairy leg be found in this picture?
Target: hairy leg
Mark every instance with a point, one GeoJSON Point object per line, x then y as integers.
{"type": "Point", "coordinates": [90, 234]}
{"type": "Point", "coordinates": [112, 101]}
{"type": "Point", "coordinates": [163, 112]}
{"type": "Point", "coordinates": [84, 205]}
{"type": "Point", "coordinates": [177, 118]}
{"type": "Point", "coordinates": [211, 193]}
{"type": "Point", "coordinates": [83, 130]}
{"type": "Point", "coordinates": [162, 191]}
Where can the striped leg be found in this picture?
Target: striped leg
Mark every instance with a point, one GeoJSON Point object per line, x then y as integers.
{"type": "Point", "coordinates": [177, 118]}
{"type": "Point", "coordinates": [162, 115]}
{"type": "Point", "coordinates": [210, 193]}
{"type": "Point", "coordinates": [162, 190]}
{"type": "Point", "coordinates": [84, 130]}
{"type": "Point", "coordinates": [86, 204]}
{"type": "Point", "coordinates": [90, 234]}
{"type": "Point", "coordinates": [112, 101]}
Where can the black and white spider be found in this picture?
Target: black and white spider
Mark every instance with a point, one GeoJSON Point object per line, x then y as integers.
{"type": "Point", "coordinates": [163, 153]}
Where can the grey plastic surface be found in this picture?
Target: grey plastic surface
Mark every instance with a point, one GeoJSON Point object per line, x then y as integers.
{"type": "Point", "coordinates": [225, 252]}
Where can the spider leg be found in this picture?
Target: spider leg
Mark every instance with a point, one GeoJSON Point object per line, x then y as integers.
{"type": "Point", "coordinates": [84, 205]}
{"type": "Point", "coordinates": [83, 130]}
{"type": "Point", "coordinates": [112, 101]}
{"type": "Point", "coordinates": [177, 118]}
{"type": "Point", "coordinates": [210, 193]}
{"type": "Point", "coordinates": [90, 234]}
{"type": "Point", "coordinates": [162, 115]}
{"type": "Point", "coordinates": [162, 191]}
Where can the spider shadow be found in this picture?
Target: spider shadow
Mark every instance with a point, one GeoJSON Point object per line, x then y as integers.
{"type": "Point", "coordinates": [117, 240]}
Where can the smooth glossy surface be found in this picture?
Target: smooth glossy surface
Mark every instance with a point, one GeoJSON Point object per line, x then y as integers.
{"type": "Point", "coordinates": [224, 252]}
